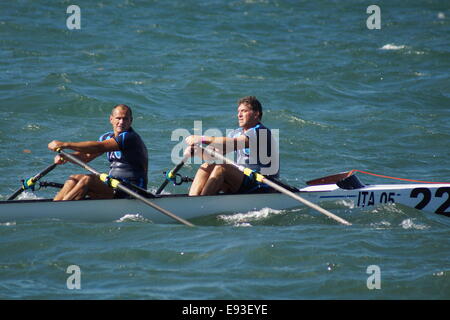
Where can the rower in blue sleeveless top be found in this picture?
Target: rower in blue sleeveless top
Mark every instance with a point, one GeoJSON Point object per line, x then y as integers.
{"type": "Point", "coordinates": [130, 163]}
{"type": "Point", "coordinates": [255, 147]}
{"type": "Point", "coordinates": [125, 150]}
{"type": "Point", "coordinates": [256, 158]}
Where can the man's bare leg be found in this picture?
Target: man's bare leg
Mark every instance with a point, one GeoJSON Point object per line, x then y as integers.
{"type": "Point", "coordinates": [68, 185]}
{"type": "Point", "coordinates": [200, 179]}
{"type": "Point", "coordinates": [99, 190]}
{"type": "Point", "coordinates": [223, 177]}
{"type": "Point", "coordinates": [78, 186]}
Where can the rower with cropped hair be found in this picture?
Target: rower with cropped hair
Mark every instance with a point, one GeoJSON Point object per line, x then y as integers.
{"type": "Point", "coordinates": [126, 153]}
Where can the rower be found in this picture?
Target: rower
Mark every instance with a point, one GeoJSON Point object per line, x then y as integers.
{"type": "Point", "coordinates": [126, 153]}
{"type": "Point", "coordinates": [254, 145]}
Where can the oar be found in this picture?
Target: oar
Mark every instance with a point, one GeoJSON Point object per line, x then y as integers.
{"type": "Point", "coordinates": [172, 173]}
{"type": "Point", "coordinates": [29, 183]}
{"type": "Point", "coordinates": [260, 178]}
{"type": "Point", "coordinates": [116, 184]}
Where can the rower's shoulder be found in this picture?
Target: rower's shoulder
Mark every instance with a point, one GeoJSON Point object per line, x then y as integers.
{"type": "Point", "coordinates": [235, 133]}
{"type": "Point", "coordinates": [256, 130]}
{"type": "Point", "coordinates": [106, 136]}
{"type": "Point", "coordinates": [130, 133]}
{"type": "Point", "coordinates": [132, 138]}
{"type": "Point", "coordinates": [260, 126]}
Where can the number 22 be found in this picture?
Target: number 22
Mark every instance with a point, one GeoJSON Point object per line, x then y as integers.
{"type": "Point", "coordinates": [426, 193]}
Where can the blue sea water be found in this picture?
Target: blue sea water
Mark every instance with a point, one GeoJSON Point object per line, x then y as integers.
{"type": "Point", "coordinates": [342, 96]}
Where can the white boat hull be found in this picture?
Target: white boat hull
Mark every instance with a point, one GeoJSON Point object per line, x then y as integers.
{"type": "Point", "coordinates": [433, 198]}
{"type": "Point", "coordinates": [111, 210]}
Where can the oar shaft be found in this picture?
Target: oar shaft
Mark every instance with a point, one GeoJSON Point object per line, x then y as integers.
{"type": "Point", "coordinates": [151, 204]}
{"type": "Point", "coordinates": [79, 162]}
{"type": "Point", "coordinates": [32, 180]}
{"type": "Point", "coordinates": [121, 187]}
{"type": "Point", "coordinates": [15, 194]}
{"type": "Point", "coordinates": [172, 172]}
{"type": "Point", "coordinates": [277, 187]}
{"type": "Point", "coordinates": [44, 172]}
{"type": "Point", "coordinates": [304, 201]}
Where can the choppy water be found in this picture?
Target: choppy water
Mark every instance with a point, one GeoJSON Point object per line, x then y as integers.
{"type": "Point", "coordinates": [343, 97]}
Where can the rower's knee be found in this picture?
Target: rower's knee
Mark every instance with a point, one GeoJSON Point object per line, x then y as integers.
{"type": "Point", "coordinates": [201, 177]}
{"type": "Point", "coordinates": [70, 184]}
{"type": "Point", "coordinates": [208, 167]}
{"type": "Point", "coordinates": [75, 177]}
{"type": "Point", "coordinates": [85, 181]}
{"type": "Point", "coordinates": [72, 181]}
{"type": "Point", "coordinates": [218, 171]}
{"type": "Point", "coordinates": [205, 170]}
{"type": "Point", "coordinates": [80, 180]}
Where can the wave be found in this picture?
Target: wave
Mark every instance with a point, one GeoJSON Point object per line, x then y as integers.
{"type": "Point", "coordinates": [133, 218]}
{"type": "Point", "coordinates": [8, 224]}
{"type": "Point", "coordinates": [28, 195]}
{"type": "Point", "coordinates": [392, 47]}
{"type": "Point", "coordinates": [244, 219]}
{"type": "Point", "coordinates": [409, 224]}
{"type": "Point", "coordinates": [407, 51]}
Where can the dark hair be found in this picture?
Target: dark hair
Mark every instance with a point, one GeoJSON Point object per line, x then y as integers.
{"type": "Point", "coordinates": [253, 103]}
{"type": "Point", "coordinates": [123, 106]}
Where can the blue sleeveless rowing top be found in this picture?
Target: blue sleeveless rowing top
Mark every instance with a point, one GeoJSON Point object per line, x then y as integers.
{"type": "Point", "coordinates": [130, 164]}
{"type": "Point", "coordinates": [262, 154]}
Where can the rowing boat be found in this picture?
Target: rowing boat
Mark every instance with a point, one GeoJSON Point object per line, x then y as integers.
{"type": "Point", "coordinates": [429, 197]}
